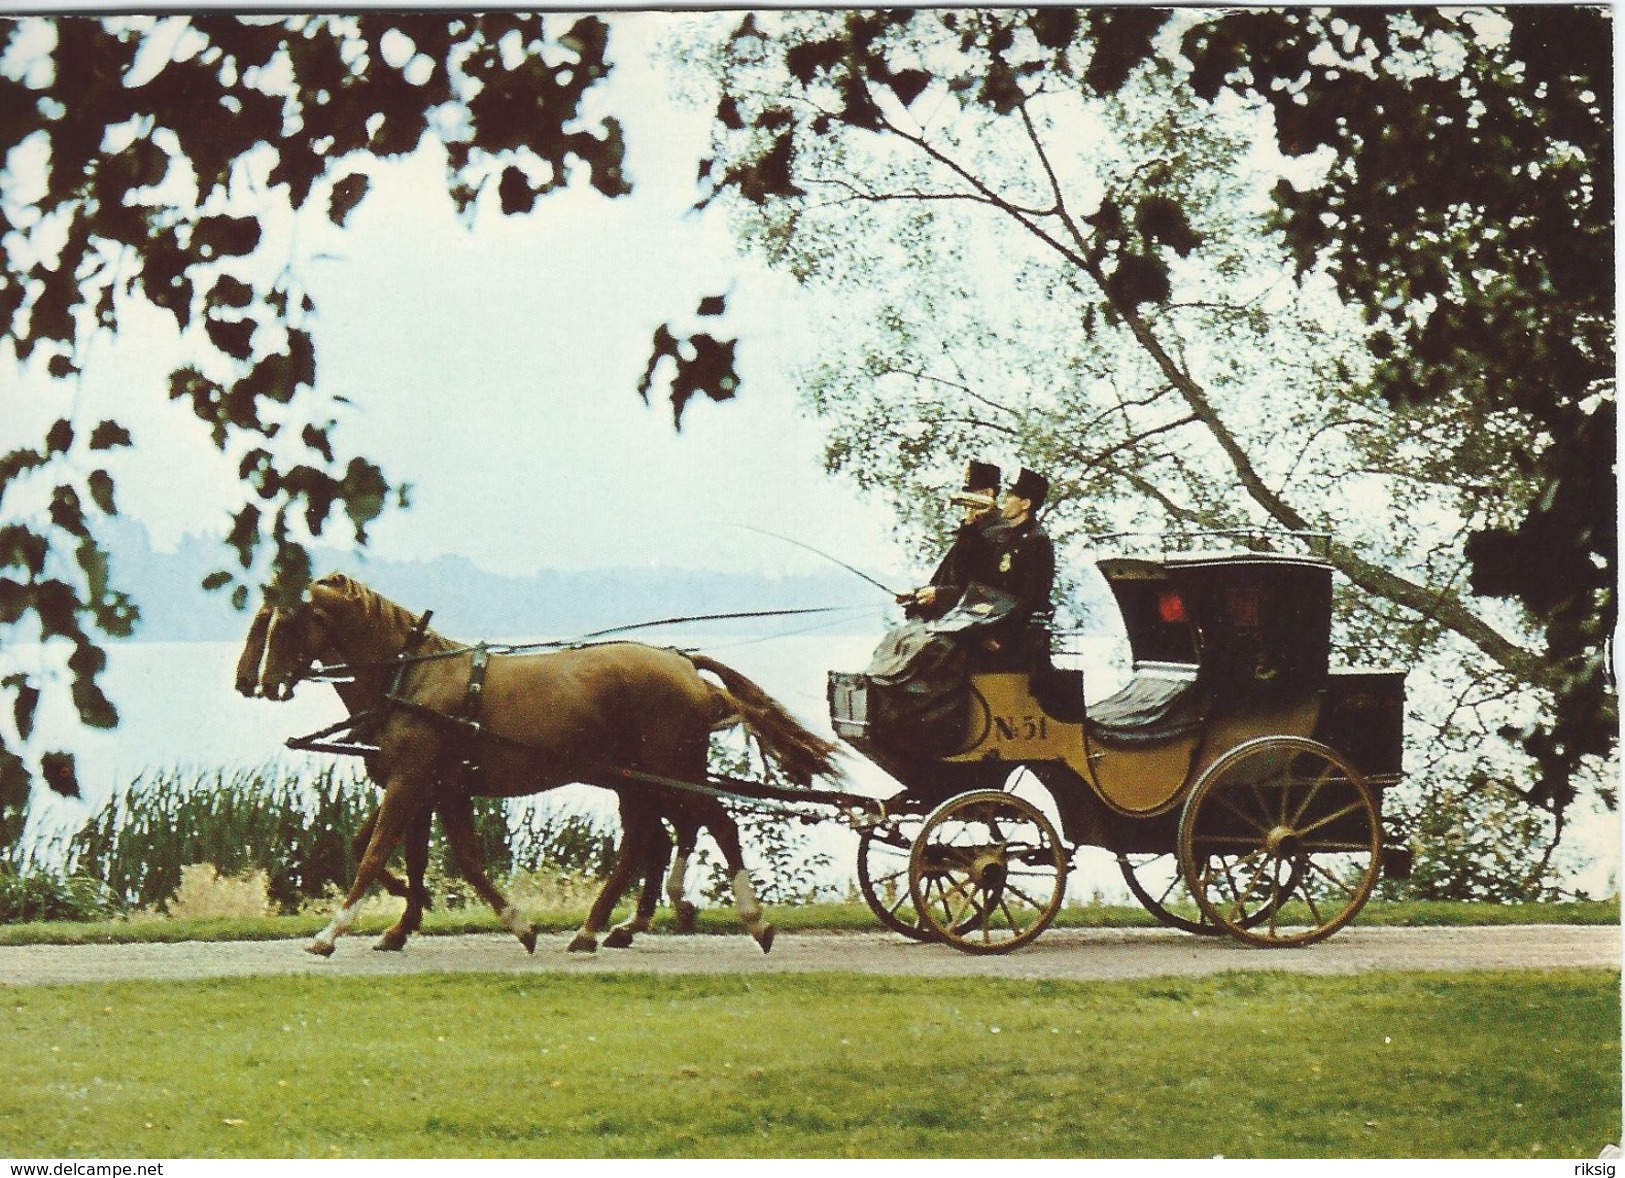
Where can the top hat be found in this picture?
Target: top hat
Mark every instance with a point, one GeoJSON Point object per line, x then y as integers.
{"type": "Point", "coordinates": [1030, 485]}
{"type": "Point", "coordinates": [980, 475]}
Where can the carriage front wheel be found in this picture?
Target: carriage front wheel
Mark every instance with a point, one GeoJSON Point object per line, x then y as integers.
{"type": "Point", "coordinates": [988, 872]}
{"type": "Point", "coordinates": [1280, 841]}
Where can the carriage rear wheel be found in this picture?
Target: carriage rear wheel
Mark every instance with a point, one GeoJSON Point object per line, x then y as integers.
{"type": "Point", "coordinates": [1158, 883]}
{"type": "Point", "coordinates": [883, 854]}
{"type": "Point", "coordinates": [1163, 896]}
{"type": "Point", "coordinates": [988, 872]}
{"type": "Point", "coordinates": [1280, 841]}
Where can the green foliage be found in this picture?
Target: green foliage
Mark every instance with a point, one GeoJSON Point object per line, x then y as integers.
{"type": "Point", "coordinates": [1074, 246]}
{"type": "Point", "coordinates": [31, 893]}
{"type": "Point", "coordinates": [1470, 213]}
{"type": "Point", "coordinates": [151, 164]}
{"type": "Point", "coordinates": [1390, 1065]}
{"type": "Point", "coordinates": [776, 843]}
{"type": "Point", "coordinates": [298, 829]}
{"type": "Point", "coordinates": [1474, 840]}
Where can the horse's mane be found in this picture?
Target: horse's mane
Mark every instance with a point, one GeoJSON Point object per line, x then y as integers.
{"type": "Point", "coordinates": [378, 614]}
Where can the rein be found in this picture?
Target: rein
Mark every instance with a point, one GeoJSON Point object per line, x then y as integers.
{"type": "Point", "coordinates": [858, 809]}
{"type": "Point", "coordinates": [346, 672]}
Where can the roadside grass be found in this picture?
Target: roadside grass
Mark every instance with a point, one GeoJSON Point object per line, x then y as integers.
{"type": "Point", "coordinates": [791, 919]}
{"type": "Point", "coordinates": [1399, 1065]}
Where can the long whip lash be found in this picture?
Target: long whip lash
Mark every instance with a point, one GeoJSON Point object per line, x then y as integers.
{"type": "Point", "coordinates": [820, 552]}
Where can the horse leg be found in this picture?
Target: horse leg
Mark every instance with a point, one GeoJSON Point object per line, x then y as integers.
{"type": "Point", "coordinates": [403, 798]}
{"type": "Point", "coordinates": [688, 833]}
{"type": "Point", "coordinates": [417, 898]}
{"type": "Point", "coordinates": [457, 820]}
{"type": "Point", "coordinates": [657, 851]}
{"type": "Point", "coordinates": [721, 825]}
{"type": "Point", "coordinates": [358, 847]}
{"type": "Point", "coordinates": [634, 842]}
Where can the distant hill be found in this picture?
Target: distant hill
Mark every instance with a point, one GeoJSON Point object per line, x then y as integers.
{"type": "Point", "coordinates": [469, 602]}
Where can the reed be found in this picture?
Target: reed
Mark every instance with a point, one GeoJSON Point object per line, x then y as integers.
{"type": "Point", "coordinates": [296, 828]}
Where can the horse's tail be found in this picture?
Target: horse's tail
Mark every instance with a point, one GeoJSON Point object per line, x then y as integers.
{"type": "Point", "coordinates": [799, 752]}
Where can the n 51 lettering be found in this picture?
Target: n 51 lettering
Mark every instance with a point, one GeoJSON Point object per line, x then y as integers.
{"type": "Point", "coordinates": [1022, 727]}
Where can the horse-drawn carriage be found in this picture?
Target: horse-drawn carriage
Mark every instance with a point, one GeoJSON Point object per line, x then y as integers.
{"type": "Point", "coordinates": [1237, 778]}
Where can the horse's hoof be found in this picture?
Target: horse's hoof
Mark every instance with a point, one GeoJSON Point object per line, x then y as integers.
{"type": "Point", "coordinates": [389, 944]}
{"type": "Point", "coordinates": [584, 943]}
{"type": "Point", "coordinates": [686, 918]}
{"type": "Point", "coordinates": [528, 940]}
{"type": "Point", "coordinates": [319, 949]}
{"type": "Point", "coordinates": [765, 938]}
{"type": "Point", "coordinates": [619, 938]}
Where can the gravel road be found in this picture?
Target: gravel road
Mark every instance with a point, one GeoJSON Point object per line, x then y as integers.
{"type": "Point", "coordinates": [1059, 953]}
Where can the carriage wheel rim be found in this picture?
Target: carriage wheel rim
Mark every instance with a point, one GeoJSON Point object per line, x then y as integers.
{"type": "Point", "coordinates": [1237, 874]}
{"type": "Point", "coordinates": [946, 879]}
{"type": "Point", "coordinates": [889, 909]}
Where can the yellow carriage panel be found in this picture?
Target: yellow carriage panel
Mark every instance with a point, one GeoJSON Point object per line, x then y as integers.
{"type": "Point", "coordinates": [1141, 781]}
{"type": "Point", "coordinates": [1007, 724]}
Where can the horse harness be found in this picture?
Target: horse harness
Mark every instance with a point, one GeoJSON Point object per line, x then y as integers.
{"type": "Point", "coordinates": [370, 724]}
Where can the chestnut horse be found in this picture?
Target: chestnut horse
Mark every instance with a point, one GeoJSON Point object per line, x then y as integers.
{"type": "Point", "coordinates": [450, 724]}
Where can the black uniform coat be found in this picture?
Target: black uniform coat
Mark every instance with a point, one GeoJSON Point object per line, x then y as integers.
{"type": "Point", "coordinates": [1024, 567]}
{"type": "Point", "coordinates": [971, 557]}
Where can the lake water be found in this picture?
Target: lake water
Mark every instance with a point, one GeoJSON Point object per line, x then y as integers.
{"type": "Point", "coordinates": [179, 710]}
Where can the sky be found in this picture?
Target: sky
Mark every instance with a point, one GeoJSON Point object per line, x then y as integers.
{"type": "Point", "coordinates": [495, 371]}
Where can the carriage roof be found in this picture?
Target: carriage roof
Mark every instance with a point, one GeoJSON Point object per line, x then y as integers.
{"type": "Point", "coordinates": [1228, 614]}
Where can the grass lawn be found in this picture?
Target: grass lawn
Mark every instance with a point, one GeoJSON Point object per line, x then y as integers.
{"type": "Point", "coordinates": [1488, 1065]}
{"type": "Point", "coordinates": [820, 917]}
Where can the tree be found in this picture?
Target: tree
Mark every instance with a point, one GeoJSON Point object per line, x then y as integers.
{"type": "Point", "coordinates": [146, 165]}
{"type": "Point", "coordinates": [1470, 215]}
{"type": "Point", "coordinates": [1041, 231]}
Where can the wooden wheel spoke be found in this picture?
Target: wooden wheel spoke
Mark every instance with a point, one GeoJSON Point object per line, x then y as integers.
{"type": "Point", "coordinates": [1334, 845]}
{"type": "Point", "coordinates": [1314, 909]}
{"type": "Point", "coordinates": [1357, 804]}
{"type": "Point", "coordinates": [1320, 870]}
{"type": "Point", "coordinates": [1010, 887]}
{"type": "Point", "coordinates": [1220, 797]}
{"type": "Point", "coordinates": [1324, 776]}
{"type": "Point", "coordinates": [1230, 840]}
{"type": "Point", "coordinates": [1263, 802]}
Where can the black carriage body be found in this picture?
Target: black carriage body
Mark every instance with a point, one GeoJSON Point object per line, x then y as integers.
{"type": "Point", "coordinates": [1224, 647]}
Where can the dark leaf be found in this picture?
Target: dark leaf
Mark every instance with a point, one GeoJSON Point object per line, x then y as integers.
{"type": "Point", "coordinates": [1138, 279]}
{"type": "Point", "coordinates": [59, 772]}
{"type": "Point", "coordinates": [216, 581]}
{"type": "Point", "coordinates": [1122, 40]}
{"type": "Point", "coordinates": [59, 438]}
{"type": "Point", "coordinates": [347, 194]}
{"type": "Point", "coordinates": [101, 491]}
{"type": "Point", "coordinates": [1053, 27]}
{"type": "Point", "coordinates": [24, 706]}
{"type": "Point", "coordinates": [713, 305]}
{"type": "Point", "coordinates": [1162, 221]}
{"type": "Point", "coordinates": [516, 192]}
{"type": "Point", "coordinates": [909, 85]}
{"type": "Point", "coordinates": [66, 512]}
{"type": "Point", "coordinates": [318, 441]}
{"type": "Point", "coordinates": [701, 364]}
{"type": "Point", "coordinates": [222, 236]}
{"type": "Point", "coordinates": [15, 786]}
{"type": "Point", "coordinates": [806, 59]}
{"type": "Point", "coordinates": [108, 435]}
{"type": "Point", "coordinates": [234, 337]}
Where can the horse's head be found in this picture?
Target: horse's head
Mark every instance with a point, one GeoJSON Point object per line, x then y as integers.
{"type": "Point", "coordinates": [284, 642]}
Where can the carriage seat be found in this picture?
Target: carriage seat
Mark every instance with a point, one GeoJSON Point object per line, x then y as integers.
{"type": "Point", "coordinates": [1148, 710]}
